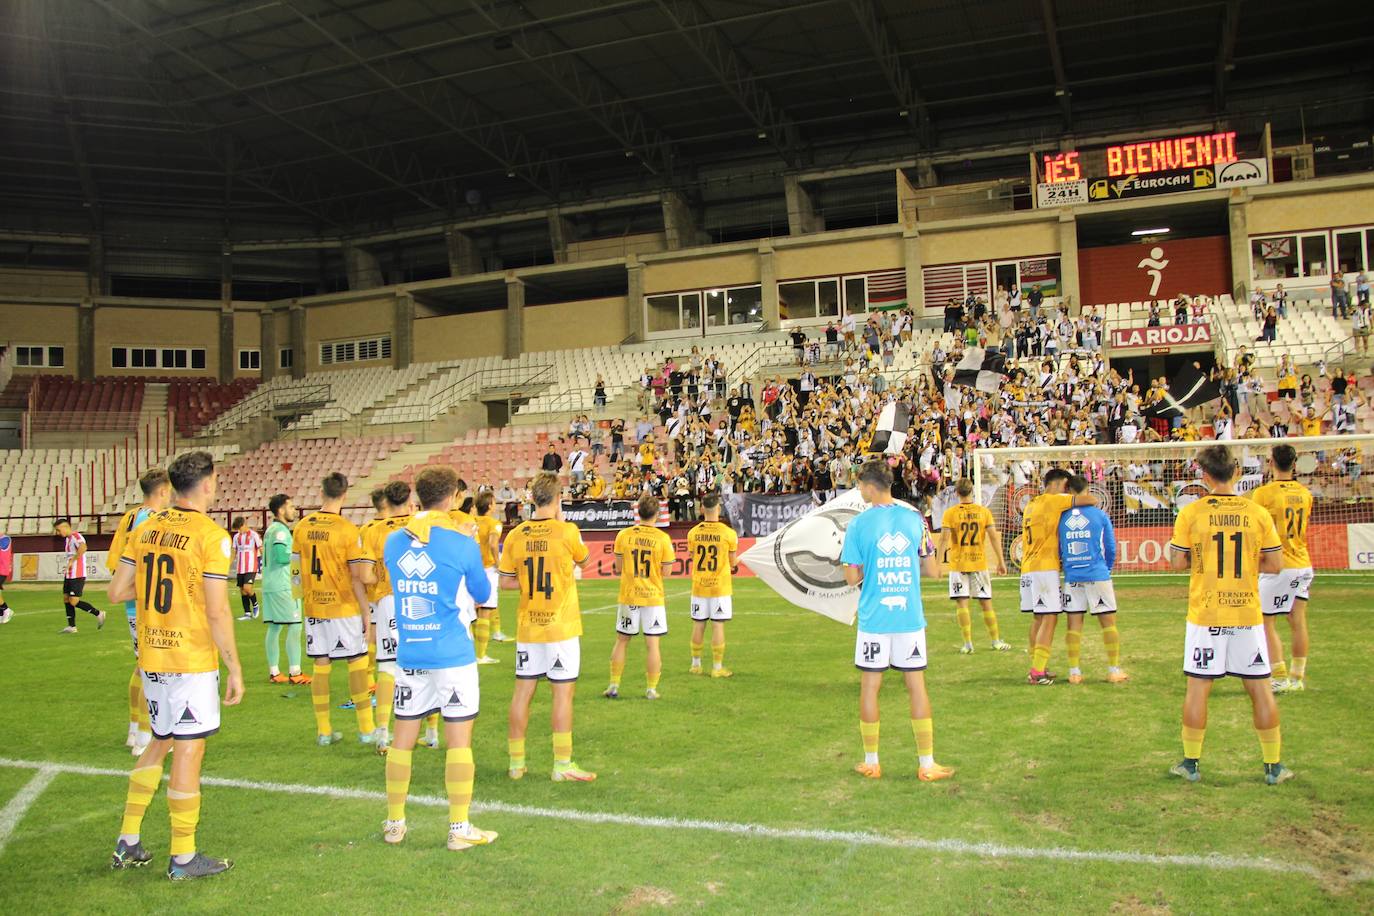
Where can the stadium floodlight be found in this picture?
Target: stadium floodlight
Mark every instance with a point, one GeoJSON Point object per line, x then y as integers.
{"type": "Point", "coordinates": [1159, 231]}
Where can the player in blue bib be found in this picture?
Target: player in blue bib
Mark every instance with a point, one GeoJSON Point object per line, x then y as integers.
{"type": "Point", "coordinates": [886, 550]}
{"type": "Point", "coordinates": [437, 582]}
{"type": "Point", "coordinates": [1087, 553]}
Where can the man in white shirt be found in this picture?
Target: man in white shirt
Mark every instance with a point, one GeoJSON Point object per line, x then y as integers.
{"type": "Point", "coordinates": [577, 460]}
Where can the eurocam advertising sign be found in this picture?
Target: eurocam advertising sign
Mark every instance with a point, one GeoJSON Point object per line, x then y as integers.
{"type": "Point", "coordinates": [1180, 336]}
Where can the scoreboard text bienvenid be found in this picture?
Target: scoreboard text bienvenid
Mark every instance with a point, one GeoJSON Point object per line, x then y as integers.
{"type": "Point", "coordinates": [1142, 157]}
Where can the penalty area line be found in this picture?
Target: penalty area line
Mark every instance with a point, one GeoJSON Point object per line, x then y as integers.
{"type": "Point", "coordinates": [48, 770]}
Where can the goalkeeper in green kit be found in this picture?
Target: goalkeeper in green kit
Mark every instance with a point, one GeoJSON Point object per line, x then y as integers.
{"type": "Point", "coordinates": [281, 609]}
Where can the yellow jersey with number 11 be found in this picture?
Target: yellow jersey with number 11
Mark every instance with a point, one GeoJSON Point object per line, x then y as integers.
{"type": "Point", "coordinates": [1225, 536]}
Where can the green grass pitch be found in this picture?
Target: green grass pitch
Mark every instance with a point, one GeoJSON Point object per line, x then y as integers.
{"type": "Point", "coordinates": [1041, 770]}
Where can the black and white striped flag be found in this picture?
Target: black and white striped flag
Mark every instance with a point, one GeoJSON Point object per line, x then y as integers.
{"type": "Point", "coordinates": [894, 422]}
{"type": "Point", "coordinates": [981, 369]}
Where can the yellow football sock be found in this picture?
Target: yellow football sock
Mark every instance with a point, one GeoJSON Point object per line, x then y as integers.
{"type": "Point", "coordinates": [458, 776]}
{"type": "Point", "coordinates": [143, 783]}
{"type": "Point", "coordinates": [319, 695]}
{"type": "Point", "coordinates": [1041, 657]}
{"type": "Point", "coordinates": [372, 666]}
{"type": "Point", "coordinates": [361, 696]}
{"type": "Point", "coordinates": [1299, 667]}
{"type": "Point", "coordinates": [924, 730]}
{"type": "Point", "coordinates": [1192, 741]}
{"type": "Point", "coordinates": [868, 731]}
{"type": "Point", "coordinates": [990, 621]}
{"type": "Point", "coordinates": [1279, 669]}
{"type": "Point", "coordinates": [136, 699]}
{"type": "Point", "coordinates": [516, 747]}
{"type": "Point", "coordinates": [696, 651]}
{"type": "Point", "coordinates": [562, 747]}
{"type": "Point", "coordinates": [651, 679]}
{"type": "Point", "coordinates": [717, 654]}
{"type": "Point", "coordinates": [184, 808]}
{"type": "Point", "coordinates": [1270, 744]}
{"type": "Point", "coordinates": [617, 669]}
{"type": "Point", "coordinates": [965, 623]}
{"type": "Point", "coordinates": [481, 636]}
{"type": "Point", "coordinates": [1073, 641]}
{"type": "Point", "coordinates": [432, 722]}
{"type": "Point", "coordinates": [496, 620]}
{"type": "Point", "coordinates": [397, 782]}
{"type": "Point", "coordinates": [1111, 641]}
{"type": "Point", "coordinates": [386, 694]}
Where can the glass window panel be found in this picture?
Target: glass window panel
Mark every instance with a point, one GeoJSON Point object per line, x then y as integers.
{"type": "Point", "coordinates": [119, 358]}
{"type": "Point", "coordinates": [797, 300]}
{"type": "Point", "coordinates": [663, 313]}
{"type": "Point", "coordinates": [1314, 259]}
{"type": "Point", "coordinates": [1275, 258]}
{"type": "Point", "coordinates": [386, 348]}
{"type": "Point", "coordinates": [181, 358]}
{"type": "Point", "coordinates": [1350, 250]}
{"type": "Point", "coordinates": [286, 357]}
{"type": "Point", "coordinates": [715, 308]}
{"type": "Point", "coordinates": [828, 298]}
{"type": "Point", "coordinates": [855, 295]}
{"type": "Point", "coordinates": [23, 356]}
{"type": "Point", "coordinates": [744, 304]}
{"type": "Point", "coordinates": [691, 311]}
{"type": "Point", "coordinates": [57, 356]}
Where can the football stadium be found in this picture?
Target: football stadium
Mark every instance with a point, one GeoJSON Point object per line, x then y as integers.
{"type": "Point", "coordinates": [396, 395]}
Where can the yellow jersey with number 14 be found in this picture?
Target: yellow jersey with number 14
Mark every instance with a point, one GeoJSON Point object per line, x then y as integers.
{"type": "Point", "coordinates": [540, 555]}
{"type": "Point", "coordinates": [1225, 536]}
{"type": "Point", "coordinates": [1289, 504]}
{"type": "Point", "coordinates": [328, 545]}
{"type": "Point", "coordinates": [174, 554]}
{"type": "Point", "coordinates": [709, 546]}
{"type": "Point", "coordinates": [1040, 532]}
{"type": "Point", "coordinates": [967, 524]}
{"type": "Point", "coordinates": [642, 551]}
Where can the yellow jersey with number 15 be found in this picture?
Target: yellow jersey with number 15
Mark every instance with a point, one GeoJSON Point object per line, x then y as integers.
{"type": "Point", "coordinates": [540, 555]}
{"type": "Point", "coordinates": [709, 546]}
{"type": "Point", "coordinates": [1040, 532]}
{"type": "Point", "coordinates": [1289, 504]}
{"type": "Point", "coordinates": [328, 545]}
{"type": "Point", "coordinates": [642, 550]}
{"type": "Point", "coordinates": [176, 554]}
{"type": "Point", "coordinates": [967, 524]}
{"type": "Point", "coordinates": [1225, 536]}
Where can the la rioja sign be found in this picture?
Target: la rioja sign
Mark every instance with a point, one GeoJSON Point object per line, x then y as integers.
{"type": "Point", "coordinates": [1179, 335]}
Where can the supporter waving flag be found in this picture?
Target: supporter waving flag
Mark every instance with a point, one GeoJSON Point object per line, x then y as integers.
{"type": "Point", "coordinates": [980, 368]}
{"type": "Point", "coordinates": [890, 434]}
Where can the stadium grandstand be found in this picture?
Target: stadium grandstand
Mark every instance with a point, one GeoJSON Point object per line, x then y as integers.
{"type": "Point", "coordinates": [689, 250]}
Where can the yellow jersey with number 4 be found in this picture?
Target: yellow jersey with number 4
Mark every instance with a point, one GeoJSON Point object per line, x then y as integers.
{"type": "Point", "coordinates": [1225, 536]}
{"type": "Point", "coordinates": [328, 545]}
{"type": "Point", "coordinates": [540, 555]}
{"type": "Point", "coordinates": [1040, 532]}
{"type": "Point", "coordinates": [642, 550]}
{"type": "Point", "coordinates": [967, 524]}
{"type": "Point", "coordinates": [172, 554]}
{"type": "Point", "coordinates": [709, 546]}
{"type": "Point", "coordinates": [1289, 504]}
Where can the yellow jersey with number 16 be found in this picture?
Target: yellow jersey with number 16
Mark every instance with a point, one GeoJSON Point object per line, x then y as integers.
{"type": "Point", "coordinates": [1225, 536]}
{"type": "Point", "coordinates": [174, 554]}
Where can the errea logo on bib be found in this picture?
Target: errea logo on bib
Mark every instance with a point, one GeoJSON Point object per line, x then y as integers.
{"type": "Point", "coordinates": [416, 565]}
{"type": "Point", "coordinates": [891, 543]}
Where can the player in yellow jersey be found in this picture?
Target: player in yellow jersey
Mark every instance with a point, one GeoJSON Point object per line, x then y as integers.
{"type": "Point", "coordinates": [538, 561]}
{"type": "Point", "coordinates": [393, 514]}
{"type": "Point", "coordinates": [967, 531]}
{"type": "Point", "coordinates": [1040, 595]}
{"type": "Point", "coordinates": [643, 557]}
{"type": "Point", "coordinates": [484, 628]}
{"type": "Point", "coordinates": [1226, 541]}
{"type": "Point", "coordinates": [648, 452]}
{"type": "Point", "coordinates": [157, 495]}
{"type": "Point", "coordinates": [334, 598]}
{"type": "Point", "coordinates": [461, 517]}
{"type": "Point", "coordinates": [1284, 594]}
{"type": "Point", "coordinates": [713, 550]}
{"type": "Point", "coordinates": [176, 567]}
{"type": "Point", "coordinates": [380, 512]}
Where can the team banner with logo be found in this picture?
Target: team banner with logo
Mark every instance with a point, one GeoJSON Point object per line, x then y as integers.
{"type": "Point", "coordinates": [600, 514]}
{"type": "Point", "coordinates": [801, 560]}
{"type": "Point", "coordinates": [755, 515]}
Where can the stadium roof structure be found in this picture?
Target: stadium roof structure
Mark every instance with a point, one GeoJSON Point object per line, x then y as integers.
{"type": "Point", "coordinates": [330, 115]}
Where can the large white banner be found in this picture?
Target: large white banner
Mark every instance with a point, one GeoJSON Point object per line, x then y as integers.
{"type": "Point", "coordinates": [49, 567]}
{"type": "Point", "coordinates": [801, 560]}
{"type": "Point", "coordinates": [1359, 540]}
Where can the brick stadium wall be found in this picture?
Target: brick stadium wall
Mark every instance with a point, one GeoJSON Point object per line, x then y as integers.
{"type": "Point", "coordinates": [1195, 266]}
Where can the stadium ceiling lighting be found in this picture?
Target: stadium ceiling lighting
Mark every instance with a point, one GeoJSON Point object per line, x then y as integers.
{"type": "Point", "coordinates": [1159, 231]}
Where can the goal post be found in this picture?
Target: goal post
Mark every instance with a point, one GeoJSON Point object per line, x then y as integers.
{"type": "Point", "coordinates": [1142, 486]}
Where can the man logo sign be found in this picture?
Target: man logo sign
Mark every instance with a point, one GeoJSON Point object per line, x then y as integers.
{"type": "Point", "coordinates": [1154, 265]}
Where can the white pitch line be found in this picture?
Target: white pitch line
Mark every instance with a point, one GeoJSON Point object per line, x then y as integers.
{"type": "Point", "coordinates": [46, 771]}
{"type": "Point", "coordinates": [18, 806]}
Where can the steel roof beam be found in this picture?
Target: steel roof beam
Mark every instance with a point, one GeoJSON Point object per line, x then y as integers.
{"type": "Point", "coordinates": [1061, 80]}
{"type": "Point", "coordinates": [899, 78]}
{"type": "Point", "coordinates": [1226, 53]}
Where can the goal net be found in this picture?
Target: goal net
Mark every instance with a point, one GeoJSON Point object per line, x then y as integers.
{"type": "Point", "coordinates": [1143, 486]}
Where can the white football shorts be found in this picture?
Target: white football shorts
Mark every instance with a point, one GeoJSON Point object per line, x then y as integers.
{"type": "Point", "coordinates": [970, 584]}
{"type": "Point", "coordinates": [1090, 597]}
{"type": "Point", "coordinates": [557, 661]}
{"type": "Point", "coordinates": [1213, 652]}
{"type": "Point", "coordinates": [493, 580]}
{"type": "Point", "coordinates": [1040, 592]}
{"type": "Point", "coordinates": [384, 627]}
{"type": "Point", "coordinates": [900, 651]}
{"type": "Point", "coordinates": [1277, 590]}
{"type": "Point", "coordinates": [340, 637]}
{"type": "Point", "coordinates": [453, 692]}
{"type": "Point", "coordinates": [182, 706]}
{"type": "Point", "coordinates": [633, 619]}
{"type": "Point", "coordinates": [721, 608]}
